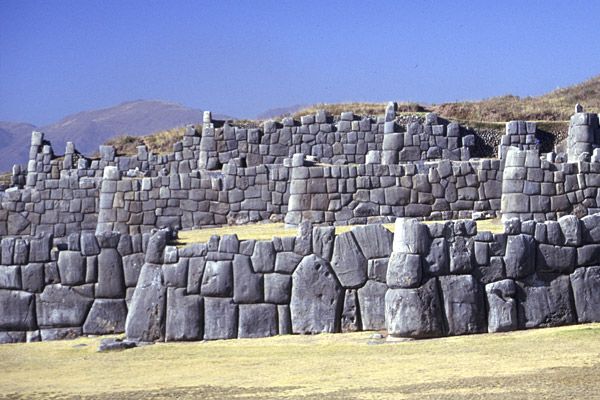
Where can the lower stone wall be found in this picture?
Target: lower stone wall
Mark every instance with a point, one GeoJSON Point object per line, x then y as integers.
{"type": "Point", "coordinates": [447, 279]}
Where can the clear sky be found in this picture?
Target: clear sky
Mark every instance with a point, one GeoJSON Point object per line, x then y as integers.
{"type": "Point", "coordinates": [243, 57]}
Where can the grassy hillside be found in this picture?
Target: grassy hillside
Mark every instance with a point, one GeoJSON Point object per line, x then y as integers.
{"type": "Point", "coordinates": [552, 363]}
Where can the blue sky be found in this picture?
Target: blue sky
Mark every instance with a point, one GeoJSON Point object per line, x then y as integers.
{"type": "Point", "coordinates": [243, 57]}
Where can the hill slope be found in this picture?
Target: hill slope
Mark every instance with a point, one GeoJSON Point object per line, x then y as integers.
{"type": "Point", "coordinates": [89, 129]}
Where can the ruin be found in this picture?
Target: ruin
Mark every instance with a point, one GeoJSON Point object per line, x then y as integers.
{"type": "Point", "coordinates": [87, 244]}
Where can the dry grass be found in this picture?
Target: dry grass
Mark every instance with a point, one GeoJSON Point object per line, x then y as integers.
{"type": "Point", "coordinates": [553, 363]}
{"type": "Point", "coordinates": [159, 143]}
{"type": "Point", "coordinates": [558, 105]}
{"type": "Point", "coordinates": [359, 108]}
{"type": "Point", "coordinates": [267, 231]}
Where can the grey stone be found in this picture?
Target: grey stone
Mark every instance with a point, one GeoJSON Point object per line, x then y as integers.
{"type": "Point", "coordinates": [68, 333]}
{"type": "Point", "coordinates": [284, 319]}
{"type": "Point", "coordinates": [220, 318]}
{"type": "Point", "coordinates": [115, 344]}
{"type": "Point", "coordinates": [146, 317]}
{"type": "Point", "coordinates": [543, 303]}
{"type": "Point", "coordinates": [316, 297]}
{"type": "Point", "coordinates": [247, 285]}
{"type": "Point", "coordinates": [71, 268]}
{"type": "Point", "coordinates": [287, 261]}
{"type": "Point", "coordinates": [591, 231]}
{"type": "Point", "coordinates": [377, 269]}
{"type": "Point", "coordinates": [10, 277]}
{"type": "Point", "coordinates": [519, 259]}
{"type": "Point", "coordinates": [32, 277]}
{"type": "Point", "coordinates": [555, 258]}
{"type": "Point", "coordinates": [460, 255]}
{"type": "Point", "coordinates": [105, 317]}
{"type": "Point", "coordinates": [411, 236]}
{"type": "Point", "coordinates": [257, 320]}
{"type": "Point", "coordinates": [185, 316]}
{"type": "Point", "coordinates": [350, 321]}
{"type": "Point", "coordinates": [132, 265]}
{"type": "Point", "coordinates": [108, 240]}
{"type": "Point", "coordinates": [348, 261]}
{"type": "Point", "coordinates": [404, 270]}
{"type": "Point", "coordinates": [375, 241]}
{"type": "Point", "coordinates": [62, 306]}
{"type": "Point", "coordinates": [323, 240]}
{"type": "Point", "coordinates": [156, 246]}
{"type": "Point", "coordinates": [588, 255]}
{"type": "Point", "coordinates": [263, 257]}
{"type": "Point", "coordinates": [89, 245]}
{"type": "Point", "coordinates": [502, 306]}
{"type": "Point", "coordinates": [371, 298]}
{"type": "Point", "coordinates": [463, 304]}
{"type": "Point", "coordinates": [586, 293]}
{"type": "Point", "coordinates": [196, 267]}
{"type": "Point", "coordinates": [436, 262]}
{"type": "Point", "coordinates": [18, 311]}
{"type": "Point", "coordinates": [175, 275]}
{"type": "Point", "coordinates": [571, 229]}
{"type": "Point", "coordinates": [414, 313]}
{"type": "Point", "coordinates": [111, 282]}
{"type": "Point", "coordinates": [278, 288]}
{"type": "Point", "coordinates": [217, 280]}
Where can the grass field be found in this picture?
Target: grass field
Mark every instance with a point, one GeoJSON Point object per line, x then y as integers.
{"type": "Point", "coordinates": [267, 231]}
{"type": "Point", "coordinates": [553, 363]}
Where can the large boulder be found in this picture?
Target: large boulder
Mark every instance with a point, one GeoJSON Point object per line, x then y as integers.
{"type": "Point", "coordinates": [257, 320]}
{"type": "Point", "coordinates": [371, 299]}
{"type": "Point", "coordinates": [145, 320]}
{"type": "Point", "coordinates": [111, 280]}
{"type": "Point", "coordinates": [185, 316]}
{"type": "Point", "coordinates": [220, 318]}
{"type": "Point", "coordinates": [106, 316]}
{"type": "Point", "coordinates": [348, 261]}
{"type": "Point", "coordinates": [436, 261]}
{"type": "Point", "coordinates": [17, 311]}
{"type": "Point", "coordinates": [316, 297]}
{"type": "Point", "coordinates": [414, 313]}
{"type": "Point", "coordinates": [374, 241]}
{"type": "Point", "coordinates": [586, 291]}
{"type": "Point", "coordinates": [519, 259]}
{"type": "Point", "coordinates": [411, 236]}
{"type": "Point", "coordinates": [247, 285]}
{"type": "Point", "coordinates": [404, 270]}
{"type": "Point", "coordinates": [323, 239]}
{"type": "Point", "coordinates": [545, 303]}
{"type": "Point", "coordinates": [62, 306]}
{"type": "Point", "coordinates": [263, 257]}
{"type": "Point", "coordinates": [217, 280]}
{"type": "Point", "coordinates": [278, 288]}
{"type": "Point", "coordinates": [502, 306]}
{"type": "Point", "coordinates": [555, 259]}
{"type": "Point", "coordinates": [463, 304]}
{"type": "Point", "coordinates": [71, 268]}
{"type": "Point", "coordinates": [461, 250]}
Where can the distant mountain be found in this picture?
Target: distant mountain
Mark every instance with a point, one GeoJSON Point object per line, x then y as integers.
{"type": "Point", "coordinates": [89, 129]}
{"type": "Point", "coordinates": [280, 111]}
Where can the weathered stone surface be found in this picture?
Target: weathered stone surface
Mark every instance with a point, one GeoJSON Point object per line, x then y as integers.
{"type": "Point", "coordinates": [519, 259]}
{"type": "Point", "coordinates": [39, 248]}
{"type": "Point", "coordinates": [145, 320]}
{"type": "Point", "coordinates": [220, 318]}
{"type": "Point", "coordinates": [263, 257]}
{"type": "Point", "coordinates": [460, 255]}
{"type": "Point", "coordinates": [115, 344]}
{"type": "Point", "coordinates": [586, 292]}
{"type": "Point", "coordinates": [67, 333]}
{"type": "Point", "coordinates": [437, 262]}
{"type": "Point", "coordinates": [559, 259]}
{"type": "Point", "coordinates": [156, 247]}
{"type": "Point", "coordinates": [463, 304]}
{"type": "Point", "coordinates": [106, 316]}
{"type": "Point", "coordinates": [247, 285]}
{"type": "Point", "coordinates": [62, 306]}
{"type": "Point", "coordinates": [257, 320]}
{"type": "Point", "coordinates": [315, 304]}
{"type": "Point", "coordinates": [348, 261]}
{"type": "Point", "coordinates": [71, 268]}
{"type": "Point", "coordinates": [88, 244]}
{"type": "Point", "coordinates": [111, 281]}
{"type": "Point", "coordinates": [404, 270]}
{"type": "Point", "coordinates": [32, 277]}
{"type": "Point", "coordinates": [371, 298]}
{"type": "Point", "coordinates": [415, 313]}
{"type": "Point", "coordinates": [217, 280]}
{"type": "Point", "coordinates": [132, 265]}
{"type": "Point", "coordinates": [284, 319]}
{"type": "Point", "coordinates": [411, 236]}
{"type": "Point", "coordinates": [377, 269]}
{"type": "Point", "coordinates": [350, 312]}
{"type": "Point", "coordinates": [323, 240]}
{"type": "Point", "coordinates": [176, 274]}
{"type": "Point", "coordinates": [588, 255]}
{"type": "Point", "coordinates": [17, 311]}
{"type": "Point", "coordinates": [571, 229]}
{"type": "Point", "coordinates": [374, 241]}
{"type": "Point", "coordinates": [543, 303]}
{"type": "Point", "coordinates": [10, 277]}
{"type": "Point", "coordinates": [502, 306]}
{"type": "Point", "coordinates": [287, 261]}
{"type": "Point", "coordinates": [185, 316]}
{"type": "Point", "coordinates": [278, 288]}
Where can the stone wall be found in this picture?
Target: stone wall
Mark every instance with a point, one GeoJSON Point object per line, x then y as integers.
{"type": "Point", "coordinates": [447, 279]}
{"type": "Point", "coordinates": [519, 134]}
{"type": "Point", "coordinates": [538, 189]}
{"type": "Point", "coordinates": [226, 288]}
{"type": "Point", "coordinates": [362, 193]}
